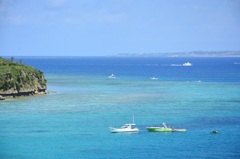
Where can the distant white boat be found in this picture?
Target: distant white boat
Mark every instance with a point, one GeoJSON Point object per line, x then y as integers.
{"type": "Point", "coordinates": [112, 76]}
{"type": "Point", "coordinates": [154, 78]}
{"type": "Point", "coordinates": [125, 128]}
{"type": "Point", "coordinates": [187, 64]}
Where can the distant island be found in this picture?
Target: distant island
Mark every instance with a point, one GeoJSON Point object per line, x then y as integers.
{"type": "Point", "coordinates": [187, 54]}
{"type": "Point", "coordinates": [17, 79]}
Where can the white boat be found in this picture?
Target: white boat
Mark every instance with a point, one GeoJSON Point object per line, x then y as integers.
{"type": "Point", "coordinates": [125, 128]}
{"type": "Point", "coordinates": [154, 78]}
{"type": "Point", "coordinates": [112, 76]}
{"type": "Point", "coordinates": [187, 64]}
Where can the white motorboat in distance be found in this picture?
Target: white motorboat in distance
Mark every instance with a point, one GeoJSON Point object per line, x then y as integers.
{"type": "Point", "coordinates": [187, 64]}
{"type": "Point", "coordinates": [124, 128]}
{"type": "Point", "coordinates": [127, 128]}
{"type": "Point", "coordinates": [154, 78]}
{"type": "Point", "coordinates": [112, 76]}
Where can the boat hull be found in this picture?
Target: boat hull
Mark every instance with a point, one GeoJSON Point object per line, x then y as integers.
{"type": "Point", "coordinates": [159, 129]}
{"type": "Point", "coordinates": [117, 130]}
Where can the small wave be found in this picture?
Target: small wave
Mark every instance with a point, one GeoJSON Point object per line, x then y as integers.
{"type": "Point", "coordinates": [151, 64]}
{"type": "Point", "coordinates": [199, 81]}
{"type": "Point", "coordinates": [176, 65]}
{"type": "Point", "coordinates": [40, 131]}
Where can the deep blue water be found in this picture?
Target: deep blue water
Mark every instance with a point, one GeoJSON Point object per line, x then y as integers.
{"type": "Point", "coordinates": [73, 123]}
{"type": "Point", "coordinates": [206, 69]}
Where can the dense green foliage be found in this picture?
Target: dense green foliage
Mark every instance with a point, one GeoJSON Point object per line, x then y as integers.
{"type": "Point", "coordinates": [16, 76]}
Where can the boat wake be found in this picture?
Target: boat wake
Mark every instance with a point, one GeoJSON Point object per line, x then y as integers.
{"type": "Point", "coordinates": [199, 81]}
{"type": "Point", "coordinates": [176, 65]}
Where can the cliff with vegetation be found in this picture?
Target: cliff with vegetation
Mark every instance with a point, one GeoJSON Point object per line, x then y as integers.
{"type": "Point", "coordinates": [17, 79]}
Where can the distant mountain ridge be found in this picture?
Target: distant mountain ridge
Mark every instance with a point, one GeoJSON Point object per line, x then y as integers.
{"type": "Point", "coordinates": [17, 79]}
{"type": "Point", "coordinates": [188, 54]}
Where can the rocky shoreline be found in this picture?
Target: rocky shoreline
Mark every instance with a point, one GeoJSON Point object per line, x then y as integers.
{"type": "Point", "coordinates": [28, 92]}
{"type": "Point", "coordinates": [21, 94]}
{"type": "Point", "coordinates": [2, 98]}
{"type": "Point", "coordinates": [11, 96]}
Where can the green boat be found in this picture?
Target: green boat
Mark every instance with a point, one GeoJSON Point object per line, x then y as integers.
{"type": "Point", "coordinates": [164, 129]}
{"type": "Point", "coordinates": [158, 129]}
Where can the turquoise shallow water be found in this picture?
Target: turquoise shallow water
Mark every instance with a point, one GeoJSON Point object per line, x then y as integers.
{"type": "Point", "coordinates": [73, 123]}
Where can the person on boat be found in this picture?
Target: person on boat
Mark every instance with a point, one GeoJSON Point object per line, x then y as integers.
{"type": "Point", "coordinates": [164, 125]}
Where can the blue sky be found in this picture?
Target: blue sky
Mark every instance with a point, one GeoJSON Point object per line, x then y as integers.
{"type": "Point", "coordinates": [109, 27]}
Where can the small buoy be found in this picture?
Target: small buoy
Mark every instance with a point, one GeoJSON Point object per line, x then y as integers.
{"type": "Point", "coordinates": [214, 132]}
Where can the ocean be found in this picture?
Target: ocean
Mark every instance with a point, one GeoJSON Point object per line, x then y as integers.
{"type": "Point", "coordinates": [73, 122]}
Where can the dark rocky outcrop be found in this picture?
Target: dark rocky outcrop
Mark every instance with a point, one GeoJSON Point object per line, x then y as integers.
{"type": "Point", "coordinates": [20, 80]}
{"type": "Point", "coordinates": [2, 98]}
